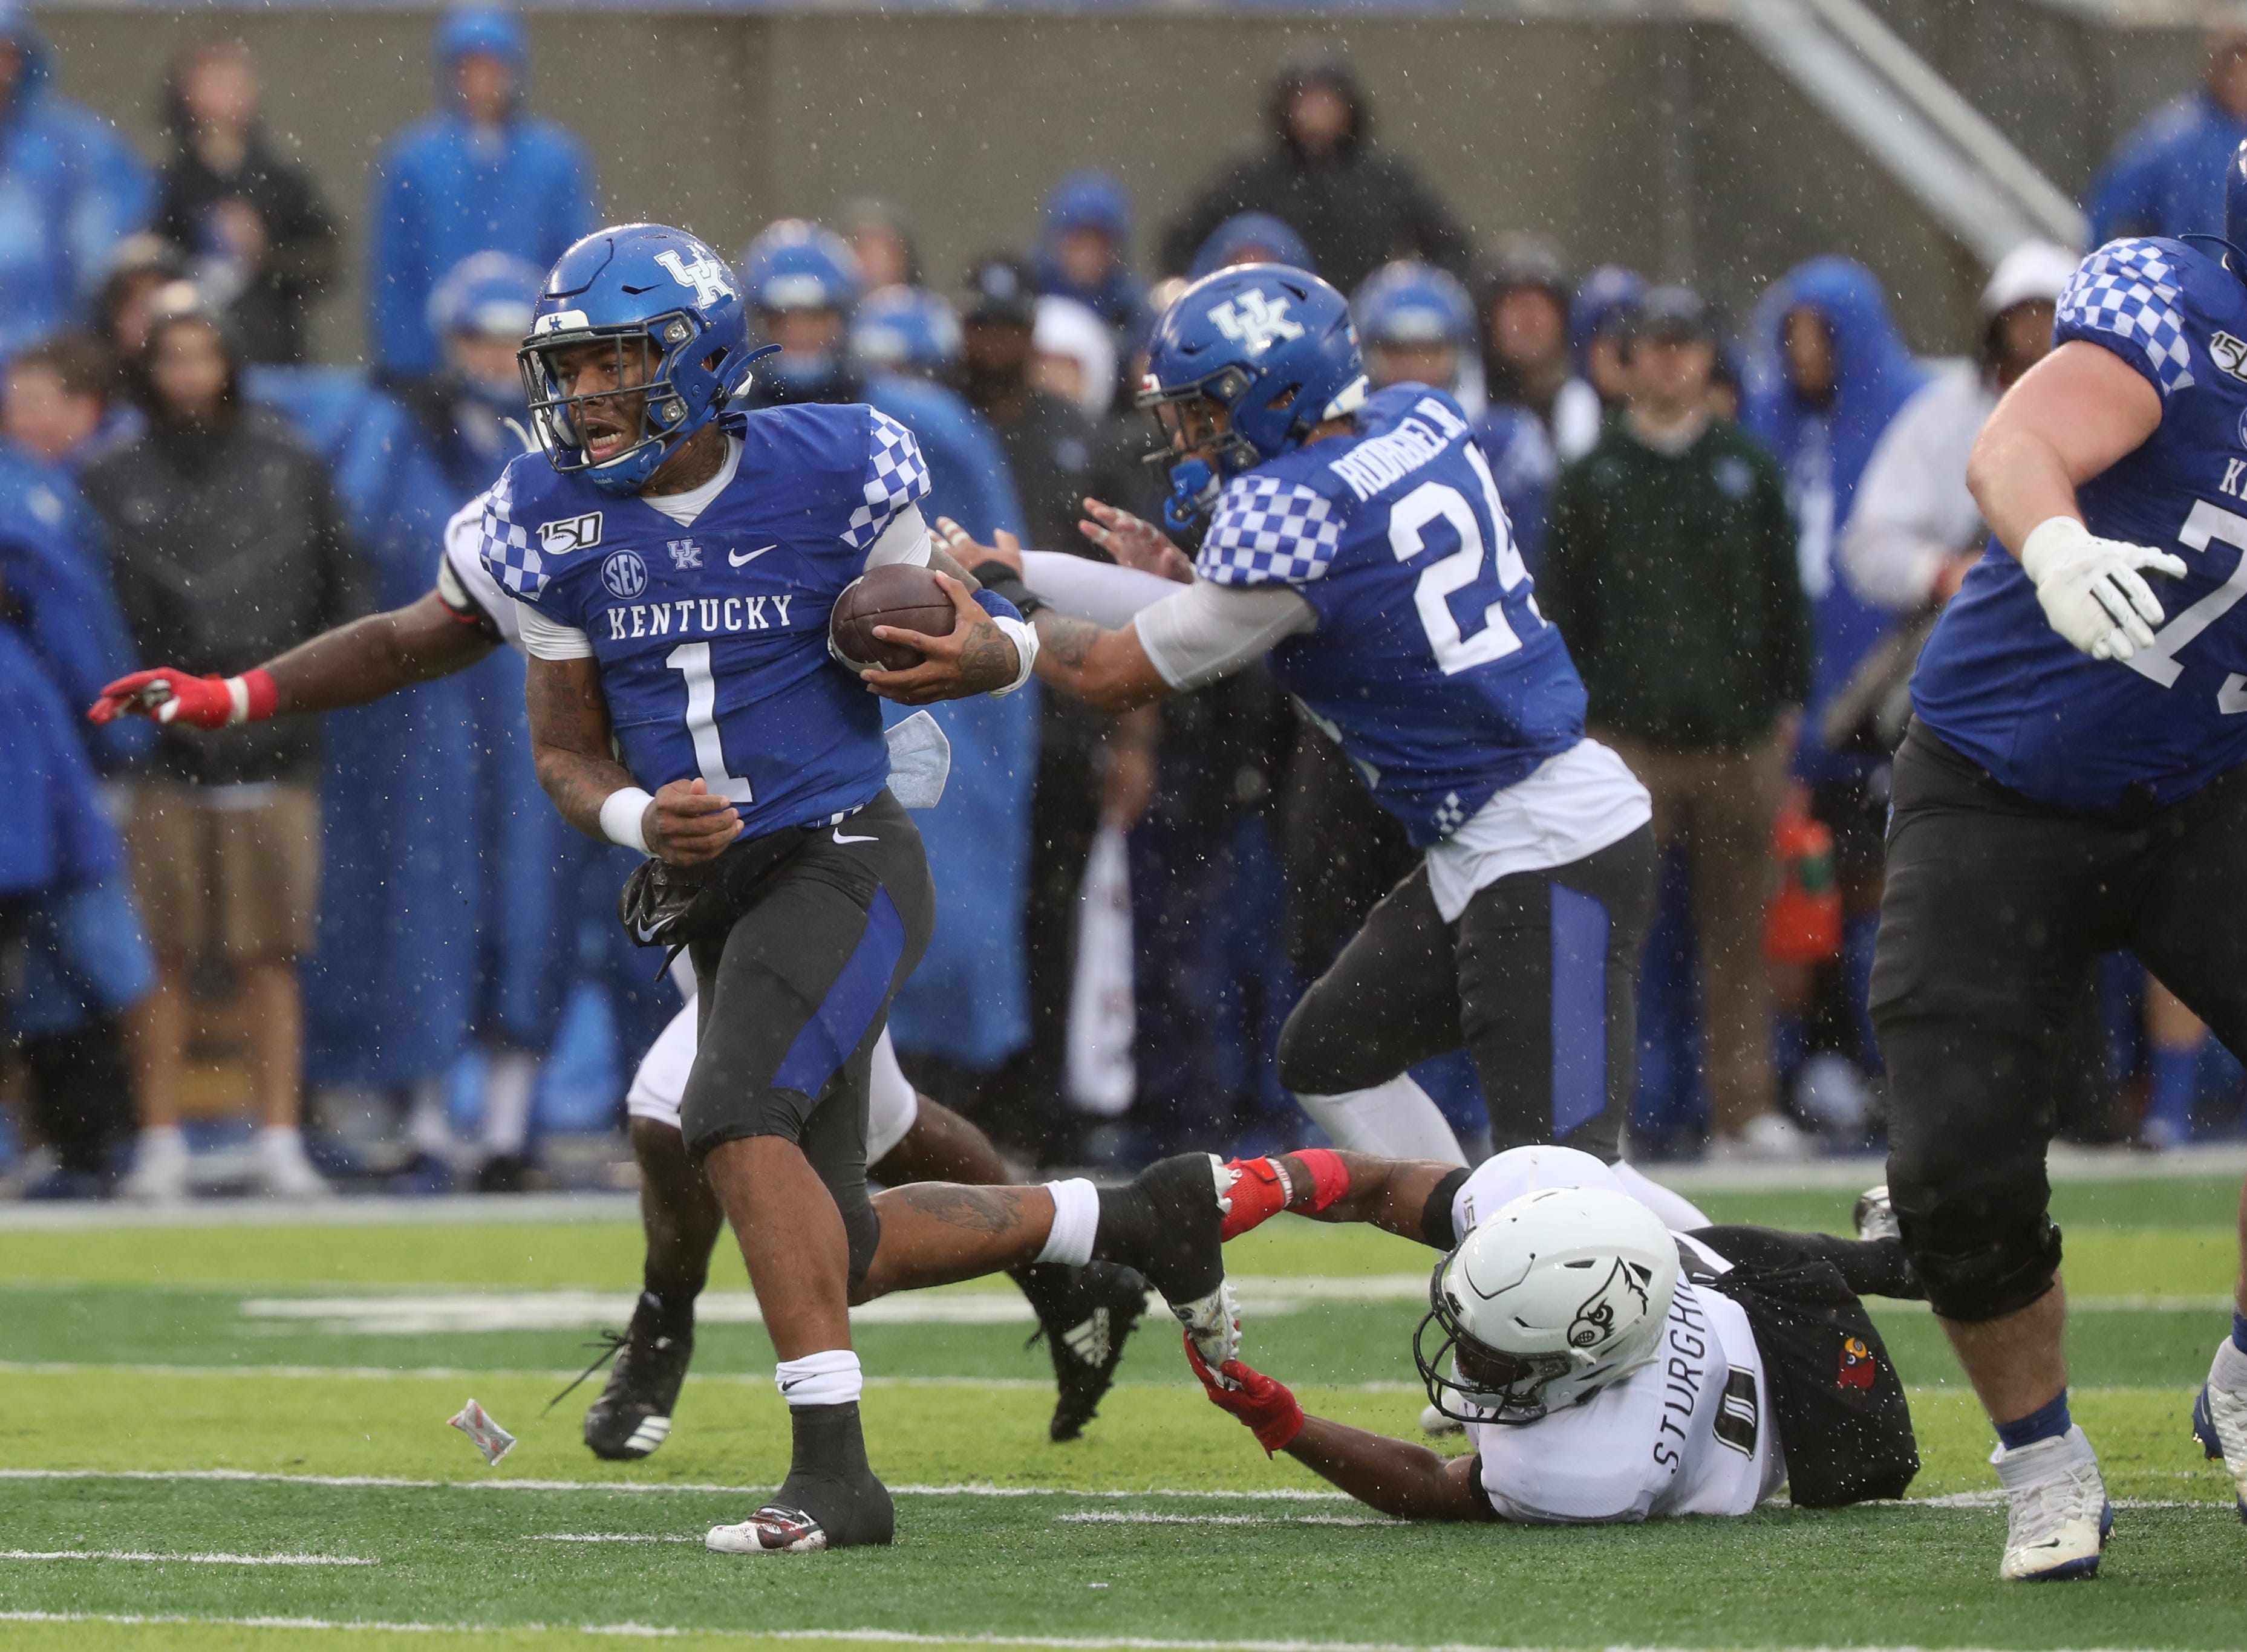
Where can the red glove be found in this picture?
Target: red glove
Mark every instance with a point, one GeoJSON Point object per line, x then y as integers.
{"type": "Point", "coordinates": [1260, 1188]}
{"type": "Point", "coordinates": [1262, 1402]}
{"type": "Point", "coordinates": [170, 695]}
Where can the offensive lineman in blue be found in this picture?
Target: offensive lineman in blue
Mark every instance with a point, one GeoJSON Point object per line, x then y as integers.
{"type": "Point", "coordinates": [1360, 542]}
{"type": "Point", "coordinates": [677, 563]}
{"type": "Point", "coordinates": [2072, 784]}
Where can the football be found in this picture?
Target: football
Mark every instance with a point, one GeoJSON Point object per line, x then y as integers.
{"type": "Point", "coordinates": [898, 594]}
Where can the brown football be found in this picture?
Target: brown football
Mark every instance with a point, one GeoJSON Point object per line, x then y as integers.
{"type": "Point", "coordinates": [896, 594]}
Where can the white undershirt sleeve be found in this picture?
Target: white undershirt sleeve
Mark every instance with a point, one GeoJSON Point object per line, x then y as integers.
{"type": "Point", "coordinates": [543, 638]}
{"type": "Point", "coordinates": [906, 539]}
{"type": "Point", "coordinates": [1204, 630]}
{"type": "Point", "coordinates": [1099, 591]}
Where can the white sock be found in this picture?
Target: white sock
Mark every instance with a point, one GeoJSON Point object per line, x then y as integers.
{"type": "Point", "coordinates": [2229, 1371]}
{"type": "Point", "coordinates": [1396, 1120]}
{"type": "Point", "coordinates": [1678, 1213]}
{"type": "Point", "coordinates": [830, 1377]}
{"type": "Point", "coordinates": [511, 1079]}
{"type": "Point", "coordinates": [1075, 1222]}
{"type": "Point", "coordinates": [427, 1125]}
{"type": "Point", "coordinates": [163, 1144]}
{"type": "Point", "coordinates": [280, 1141]}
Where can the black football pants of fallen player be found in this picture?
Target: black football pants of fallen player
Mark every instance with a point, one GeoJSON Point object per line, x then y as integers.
{"type": "Point", "coordinates": [794, 996]}
{"type": "Point", "coordinates": [1537, 981]}
{"type": "Point", "coordinates": [1995, 909]}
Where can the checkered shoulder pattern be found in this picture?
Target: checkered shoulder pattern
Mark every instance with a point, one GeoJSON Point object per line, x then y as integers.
{"type": "Point", "coordinates": [508, 554]}
{"type": "Point", "coordinates": [1267, 530]}
{"type": "Point", "coordinates": [897, 476]}
{"type": "Point", "coordinates": [2129, 290]}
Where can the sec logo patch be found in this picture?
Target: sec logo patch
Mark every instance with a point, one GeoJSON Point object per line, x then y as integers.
{"type": "Point", "coordinates": [624, 573]}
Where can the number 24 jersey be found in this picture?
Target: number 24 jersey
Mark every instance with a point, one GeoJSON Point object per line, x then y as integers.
{"type": "Point", "coordinates": [2103, 737]}
{"type": "Point", "coordinates": [712, 637]}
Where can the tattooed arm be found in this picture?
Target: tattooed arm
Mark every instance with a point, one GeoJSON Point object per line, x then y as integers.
{"type": "Point", "coordinates": [685, 823]}
{"type": "Point", "coordinates": [976, 657]}
{"type": "Point", "coordinates": [1105, 668]}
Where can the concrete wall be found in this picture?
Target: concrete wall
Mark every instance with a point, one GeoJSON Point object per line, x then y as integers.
{"type": "Point", "coordinates": [1671, 147]}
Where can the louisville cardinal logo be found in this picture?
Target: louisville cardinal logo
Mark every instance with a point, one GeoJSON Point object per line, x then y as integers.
{"type": "Point", "coordinates": [1859, 1368]}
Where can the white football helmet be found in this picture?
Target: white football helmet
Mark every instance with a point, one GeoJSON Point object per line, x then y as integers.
{"type": "Point", "coordinates": [1549, 1299]}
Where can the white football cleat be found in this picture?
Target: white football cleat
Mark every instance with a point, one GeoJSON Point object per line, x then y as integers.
{"type": "Point", "coordinates": [2057, 1514]}
{"type": "Point", "coordinates": [771, 1530]}
{"type": "Point", "coordinates": [283, 1172]}
{"type": "Point", "coordinates": [1213, 1324]}
{"type": "Point", "coordinates": [159, 1175]}
{"type": "Point", "coordinates": [2219, 1421]}
{"type": "Point", "coordinates": [1874, 1217]}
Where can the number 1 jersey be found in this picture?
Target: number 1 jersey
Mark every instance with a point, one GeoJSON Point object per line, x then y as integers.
{"type": "Point", "coordinates": [712, 637]}
{"type": "Point", "coordinates": [1998, 684]}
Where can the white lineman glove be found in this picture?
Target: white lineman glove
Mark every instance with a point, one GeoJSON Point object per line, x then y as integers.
{"type": "Point", "coordinates": [2090, 589]}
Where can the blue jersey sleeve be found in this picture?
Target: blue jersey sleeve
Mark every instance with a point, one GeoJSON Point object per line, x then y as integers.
{"type": "Point", "coordinates": [507, 553]}
{"type": "Point", "coordinates": [2128, 297]}
{"type": "Point", "coordinates": [1267, 529]}
{"type": "Point", "coordinates": [897, 476]}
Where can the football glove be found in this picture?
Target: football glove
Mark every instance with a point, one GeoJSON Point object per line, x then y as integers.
{"type": "Point", "coordinates": [170, 695]}
{"type": "Point", "coordinates": [1262, 1402]}
{"type": "Point", "coordinates": [2090, 588]}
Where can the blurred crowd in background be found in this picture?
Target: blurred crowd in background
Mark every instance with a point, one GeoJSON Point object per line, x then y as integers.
{"type": "Point", "coordinates": [367, 951]}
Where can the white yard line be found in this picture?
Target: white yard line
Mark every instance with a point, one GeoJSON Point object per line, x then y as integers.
{"type": "Point", "coordinates": [190, 1560]}
{"type": "Point", "coordinates": [1148, 1517]}
{"type": "Point", "coordinates": [876, 1637]}
{"type": "Point", "coordinates": [1281, 1494]}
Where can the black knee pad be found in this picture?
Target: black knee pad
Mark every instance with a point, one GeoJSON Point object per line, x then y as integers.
{"type": "Point", "coordinates": [1977, 1262]}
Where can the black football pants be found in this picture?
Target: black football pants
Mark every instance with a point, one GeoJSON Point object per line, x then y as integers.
{"type": "Point", "coordinates": [1994, 910]}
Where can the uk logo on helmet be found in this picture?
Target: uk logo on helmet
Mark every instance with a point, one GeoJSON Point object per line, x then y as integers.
{"type": "Point", "coordinates": [705, 275]}
{"type": "Point", "coordinates": [1255, 320]}
{"type": "Point", "coordinates": [624, 573]}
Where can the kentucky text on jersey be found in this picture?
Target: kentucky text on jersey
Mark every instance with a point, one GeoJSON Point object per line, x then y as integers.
{"type": "Point", "coordinates": [1430, 662]}
{"type": "Point", "coordinates": [712, 636]}
{"type": "Point", "coordinates": [1998, 686]}
{"type": "Point", "coordinates": [698, 615]}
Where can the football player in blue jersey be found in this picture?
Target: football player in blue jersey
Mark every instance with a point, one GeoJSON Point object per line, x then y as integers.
{"type": "Point", "coordinates": [1358, 541]}
{"type": "Point", "coordinates": [2074, 781]}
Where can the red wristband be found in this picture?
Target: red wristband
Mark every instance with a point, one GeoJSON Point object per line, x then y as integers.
{"type": "Point", "coordinates": [264, 698]}
{"type": "Point", "coordinates": [1258, 1192]}
{"type": "Point", "coordinates": [1329, 1176]}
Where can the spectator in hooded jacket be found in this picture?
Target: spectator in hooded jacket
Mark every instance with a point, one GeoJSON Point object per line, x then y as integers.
{"type": "Point", "coordinates": [1355, 207]}
{"type": "Point", "coordinates": [1523, 307]}
{"type": "Point", "coordinates": [478, 174]}
{"type": "Point", "coordinates": [70, 189]}
{"type": "Point", "coordinates": [2167, 177]}
{"type": "Point", "coordinates": [227, 546]}
{"type": "Point", "coordinates": [251, 221]}
{"type": "Point", "coordinates": [1084, 249]}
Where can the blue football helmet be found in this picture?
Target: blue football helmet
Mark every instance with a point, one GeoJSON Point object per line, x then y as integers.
{"type": "Point", "coordinates": [796, 264]}
{"type": "Point", "coordinates": [907, 329]}
{"type": "Point", "coordinates": [1405, 302]}
{"type": "Point", "coordinates": [1271, 345]}
{"type": "Point", "coordinates": [650, 291]}
{"type": "Point", "coordinates": [490, 295]}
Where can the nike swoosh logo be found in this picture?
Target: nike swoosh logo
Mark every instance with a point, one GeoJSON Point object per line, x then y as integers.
{"type": "Point", "coordinates": [840, 839]}
{"type": "Point", "coordinates": [644, 933]}
{"type": "Point", "coordinates": [793, 1382]}
{"type": "Point", "coordinates": [741, 559]}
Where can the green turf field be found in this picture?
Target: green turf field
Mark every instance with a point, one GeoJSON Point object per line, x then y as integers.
{"type": "Point", "coordinates": [234, 1437]}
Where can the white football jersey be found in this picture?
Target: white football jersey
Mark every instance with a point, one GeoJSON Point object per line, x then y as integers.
{"type": "Point", "coordinates": [1691, 1433]}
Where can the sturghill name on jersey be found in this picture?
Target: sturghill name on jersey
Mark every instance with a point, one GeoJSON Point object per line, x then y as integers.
{"type": "Point", "coordinates": [697, 616]}
{"type": "Point", "coordinates": [1379, 461]}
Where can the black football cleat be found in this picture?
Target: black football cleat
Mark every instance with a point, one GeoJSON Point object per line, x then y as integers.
{"type": "Point", "coordinates": [1168, 1222]}
{"type": "Point", "coordinates": [633, 1416]}
{"type": "Point", "coordinates": [1085, 1314]}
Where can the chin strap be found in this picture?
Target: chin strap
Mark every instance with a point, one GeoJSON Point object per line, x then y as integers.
{"type": "Point", "coordinates": [1193, 490]}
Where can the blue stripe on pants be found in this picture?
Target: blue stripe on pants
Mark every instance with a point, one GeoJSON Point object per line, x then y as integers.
{"type": "Point", "coordinates": [1579, 1009]}
{"type": "Point", "coordinates": [840, 1023]}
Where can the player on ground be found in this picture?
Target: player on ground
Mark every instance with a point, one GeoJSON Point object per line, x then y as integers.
{"type": "Point", "coordinates": [676, 567]}
{"type": "Point", "coordinates": [1084, 1314]}
{"type": "Point", "coordinates": [1606, 1367]}
{"type": "Point", "coordinates": [2072, 784]}
{"type": "Point", "coordinates": [1361, 543]}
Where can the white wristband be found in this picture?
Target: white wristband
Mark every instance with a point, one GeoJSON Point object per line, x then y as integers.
{"type": "Point", "coordinates": [1026, 650]}
{"type": "Point", "coordinates": [238, 691]}
{"type": "Point", "coordinates": [2050, 540]}
{"type": "Point", "coordinates": [624, 817]}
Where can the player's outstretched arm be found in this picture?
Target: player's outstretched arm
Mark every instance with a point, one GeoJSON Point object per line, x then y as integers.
{"type": "Point", "coordinates": [683, 823]}
{"type": "Point", "coordinates": [1395, 1477]}
{"type": "Point", "coordinates": [350, 665]}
